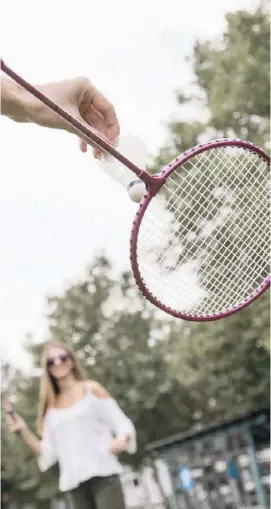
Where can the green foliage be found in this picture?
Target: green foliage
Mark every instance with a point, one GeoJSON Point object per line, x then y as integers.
{"type": "Point", "coordinates": [222, 363]}
{"type": "Point", "coordinates": [232, 74]}
{"type": "Point", "coordinates": [225, 364]}
{"type": "Point", "coordinates": [235, 76]}
{"type": "Point", "coordinates": [165, 374]}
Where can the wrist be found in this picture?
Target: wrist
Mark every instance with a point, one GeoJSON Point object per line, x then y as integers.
{"type": "Point", "coordinates": [17, 103]}
{"type": "Point", "coordinates": [23, 430]}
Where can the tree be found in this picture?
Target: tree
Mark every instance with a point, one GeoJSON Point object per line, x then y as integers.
{"type": "Point", "coordinates": [226, 364]}
{"type": "Point", "coordinates": [234, 73]}
{"type": "Point", "coordinates": [232, 83]}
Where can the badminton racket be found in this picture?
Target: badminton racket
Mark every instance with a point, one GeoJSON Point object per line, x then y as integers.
{"type": "Point", "coordinates": [200, 239]}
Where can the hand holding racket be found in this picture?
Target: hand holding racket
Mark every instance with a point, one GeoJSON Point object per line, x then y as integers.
{"type": "Point", "coordinates": [200, 239]}
{"type": "Point", "coordinates": [77, 95]}
{"type": "Point", "coordinates": [118, 446]}
{"type": "Point", "coordinates": [16, 423]}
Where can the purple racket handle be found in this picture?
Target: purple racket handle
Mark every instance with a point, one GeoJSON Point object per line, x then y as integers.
{"type": "Point", "coordinates": [10, 411]}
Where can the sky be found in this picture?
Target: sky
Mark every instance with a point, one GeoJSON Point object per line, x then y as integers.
{"type": "Point", "coordinates": [57, 209]}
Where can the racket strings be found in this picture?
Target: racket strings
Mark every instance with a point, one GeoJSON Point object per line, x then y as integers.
{"type": "Point", "coordinates": [211, 219]}
{"type": "Point", "coordinates": [222, 245]}
{"type": "Point", "coordinates": [188, 186]}
{"type": "Point", "coordinates": [235, 271]}
{"type": "Point", "coordinates": [203, 191]}
{"type": "Point", "coordinates": [226, 251]}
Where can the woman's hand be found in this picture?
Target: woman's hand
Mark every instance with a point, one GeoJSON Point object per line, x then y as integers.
{"type": "Point", "coordinates": [16, 423]}
{"type": "Point", "coordinates": [118, 445]}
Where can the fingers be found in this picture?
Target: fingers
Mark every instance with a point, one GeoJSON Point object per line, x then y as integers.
{"type": "Point", "coordinates": [96, 120]}
{"type": "Point", "coordinates": [13, 426]}
{"type": "Point", "coordinates": [97, 111]}
{"type": "Point", "coordinates": [118, 446]}
{"type": "Point", "coordinates": [83, 145]}
{"type": "Point", "coordinates": [9, 420]}
{"type": "Point", "coordinates": [107, 110]}
{"type": "Point", "coordinates": [14, 422]}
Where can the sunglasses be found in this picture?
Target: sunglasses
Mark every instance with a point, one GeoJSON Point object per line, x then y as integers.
{"type": "Point", "coordinates": [62, 357]}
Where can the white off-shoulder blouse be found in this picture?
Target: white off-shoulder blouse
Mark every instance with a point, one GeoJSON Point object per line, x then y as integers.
{"type": "Point", "coordinates": [79, 437]}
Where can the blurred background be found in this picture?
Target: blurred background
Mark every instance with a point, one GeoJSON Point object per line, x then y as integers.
{"type": "Point", "coordinates": [198, 394]}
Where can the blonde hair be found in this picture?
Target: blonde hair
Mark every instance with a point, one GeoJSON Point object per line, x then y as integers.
{"type": "Point", "coordinates": [48, 386]}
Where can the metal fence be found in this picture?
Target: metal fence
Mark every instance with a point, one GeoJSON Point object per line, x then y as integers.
{"type": "Point", "coordinates": [147, 506]}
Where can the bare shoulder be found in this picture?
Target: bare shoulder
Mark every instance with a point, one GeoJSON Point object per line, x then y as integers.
{"type": "Point", "coordinates": [97, 389]}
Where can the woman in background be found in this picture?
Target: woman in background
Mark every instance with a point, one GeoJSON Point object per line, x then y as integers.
{"type": "Point", "coordinates": [82, 428]}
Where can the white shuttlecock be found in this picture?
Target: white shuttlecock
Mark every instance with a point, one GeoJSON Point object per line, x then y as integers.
{"type": "Point", "coordinates": [136, 190]}
{"type": "Point", "coordinates": [135, 149]}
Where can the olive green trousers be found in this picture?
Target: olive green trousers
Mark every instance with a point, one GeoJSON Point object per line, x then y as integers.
{"type": "Point", "coordinates": [97, 493]}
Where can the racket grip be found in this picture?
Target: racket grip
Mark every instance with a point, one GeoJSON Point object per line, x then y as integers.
{"type": "Point", "coordinates": [9, 409]}
{"type": "Point", "coordinates": [10, 412]}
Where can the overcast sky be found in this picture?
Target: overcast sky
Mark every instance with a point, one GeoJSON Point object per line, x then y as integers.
{"type": "Point", "coordinates": [54, 201]}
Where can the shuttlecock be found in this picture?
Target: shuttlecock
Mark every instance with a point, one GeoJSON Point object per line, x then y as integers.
{"type": "Point", "coordinates": [136, 190]}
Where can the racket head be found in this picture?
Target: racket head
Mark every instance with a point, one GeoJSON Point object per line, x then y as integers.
{"type": "Point", "coordinates": [189, 287]}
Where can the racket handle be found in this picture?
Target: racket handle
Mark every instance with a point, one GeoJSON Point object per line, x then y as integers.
{"type": "Point", "coordinates": [9, 409]}
{"type": "Point", "coordinates": [10, 412]}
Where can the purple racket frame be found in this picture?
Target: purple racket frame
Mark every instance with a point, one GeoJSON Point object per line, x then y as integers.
{"type": "Point", "coordinates": [153, 184]}
{"type": "Point", "coordinates": [170, 168]}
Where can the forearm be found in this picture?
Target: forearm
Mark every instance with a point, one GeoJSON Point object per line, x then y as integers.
{"type": "Point", "coordinates": [16, 103]}
{"type": "Point", "coordinates": [31, 440]}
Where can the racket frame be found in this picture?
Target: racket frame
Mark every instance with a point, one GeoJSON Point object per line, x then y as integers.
{"type": "Point", "coordinates": [162, 177]}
